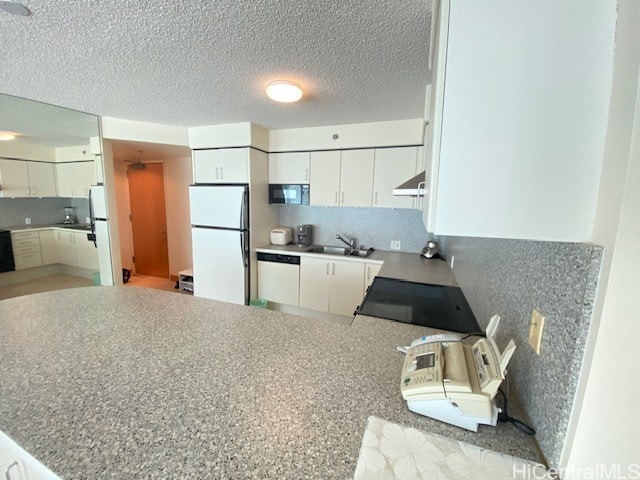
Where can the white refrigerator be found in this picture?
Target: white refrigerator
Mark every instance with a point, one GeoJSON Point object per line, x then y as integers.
{"type": "Point", "coordinates": [100, 231]}
{"type": "Point", "coordinates": [220, 241]}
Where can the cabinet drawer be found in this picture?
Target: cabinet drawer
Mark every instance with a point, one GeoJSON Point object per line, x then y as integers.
{"type": "Point", "coordinates": [25, 242]}
{"type": "Point", "coordinates": [31, 260]}
{"type": "Point", "coordinates": [24, 235]}
{"type": "Point", "coordinates": [26, 250]}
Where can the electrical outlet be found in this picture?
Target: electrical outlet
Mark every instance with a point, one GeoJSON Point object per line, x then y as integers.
{"type": "Point", "coordinates": [535, 330]}
{"type": "Point", "coordinates": [453, 259]}
{"type": "Point", "coordinates": [27, 221]}
{"type": "Point", "coordinates": [87, 219]}
{"type": "Point", "coordinates": [395, 244]}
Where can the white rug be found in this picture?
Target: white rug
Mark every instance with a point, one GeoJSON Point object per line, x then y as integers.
{"type": "Point", "coordinates": [390, 451]}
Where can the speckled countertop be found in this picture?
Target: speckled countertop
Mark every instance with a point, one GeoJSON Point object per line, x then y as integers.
{"type": "Point", "coordinates": [123, 382]}
{"type": "Point", "coordinates": [405, 266]}
{"type": "Point", "coordinates": [67, 226]}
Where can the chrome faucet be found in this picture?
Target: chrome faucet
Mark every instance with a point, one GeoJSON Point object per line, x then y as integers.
{"type": "Point", "coordinates": [351, 241]}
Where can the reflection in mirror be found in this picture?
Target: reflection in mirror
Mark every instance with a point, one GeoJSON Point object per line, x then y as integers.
{"type": "Point", "coordinates": [49, 157]}
{"type": "Point", "coordinates": [48, 165]}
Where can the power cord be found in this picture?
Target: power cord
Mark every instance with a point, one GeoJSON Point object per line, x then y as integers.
{"type": "Point", "coordinates": [474, 334]}
{"type": "Point", "coordinates": [503, 416]}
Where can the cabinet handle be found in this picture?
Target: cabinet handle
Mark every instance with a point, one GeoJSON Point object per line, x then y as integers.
{"type": "Point", "coordinates": [72, 194]}
{"type": "Point", "coordinates": [376, 198]}
{"type": "Point", "coordinates": [336, 202]}
{"type": "Point", "coordinates": [221, 173]}
{"type": "Point", "coordinates": [306, 174]}
{"type": "Point", "coordinates": [342, 198]}
{"type": "Point", "coordinates": [333, 269]}
{"type": "Point", "coordinates": [327, 268]}
{"type": "Point", "coordinates": [217, 173]}
{"type": "Point", "coordinates": [33, 190]}
{"type": "Point", "coordinates": [420, 203]}
{"type": "Point", "coordinates": [368, 273]}
{"type": "Point", "coordinates": [9, 468]}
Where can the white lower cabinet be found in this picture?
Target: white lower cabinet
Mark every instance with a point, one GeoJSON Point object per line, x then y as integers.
{"type": "Point", "coordinates": [17, 464]}
{"type": "Point", "coordinates": [86, 252]}
{"type": "Point", "coordinates": [26, 250]}
{"type": "Point", "coordinates": [49, 247]}
{"type": "Point", "coordinates": [333, 286]}
{"type": "Point", "coordinates": [68, 248]}
{"type": "Point", "coordinates": [279, 282]}
{"type": "Point", "coordinates": [370, 271]}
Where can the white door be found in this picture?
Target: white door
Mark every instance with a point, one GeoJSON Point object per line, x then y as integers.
{"type": "Point", "coordinates": [325, 178]}
{"type": "Point", "coordinates": [49, 247]}
{"type": "Point", "coordinates": [66, 181]}
{"type": "Point", "coordinates": [393, 166]}
{"type": "Point", "coordinates": [289, 167]}
{"type": "Point", "coordinates": [346, 287]}
{"type": "Point", "coordinates": [279, 282]}
{"type": "Point", "coordinates": [86, 252]}
{"type": "Point", "coordinates": [85, 176]}
{"type": "Point", "coordinates": [315, 283]}
{"type": "Point", "coordinates": [356, 178]}
{"type": "Point", "coordinates": [219, 265]}
{"type": "Point", "coordinates": [218, 206]}
{"type": "Point", "coordinates": [42, 180]}
{"type": "Point", "coordinates": [370, 272]}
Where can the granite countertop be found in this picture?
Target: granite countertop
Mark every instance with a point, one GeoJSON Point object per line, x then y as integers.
{"type": "Point", "coordinates": [404, 266]}
{"type": "Point", "coordinates": [67, 226]}
{"type": "Point", "coordinates": [123, 382]}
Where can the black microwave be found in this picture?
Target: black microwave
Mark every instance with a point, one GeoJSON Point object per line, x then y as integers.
{"type": "Point", "coordinates": [296, 194]}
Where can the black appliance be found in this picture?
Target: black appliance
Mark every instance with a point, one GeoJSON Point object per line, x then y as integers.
{"type": "Point", "coordinates": [435, 306]}
{"type": "Point", "coordinates": [295, 194]}
{"type": "Point", "coordinates": [6, 252]}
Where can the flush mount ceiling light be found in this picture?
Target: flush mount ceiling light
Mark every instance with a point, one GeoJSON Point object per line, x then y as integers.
{"type": "Point", "coordinates": [6, 136]}
{"type": "Point", "coordinates": [14, 8]}
{"type": "Point", "coordinates": [284, 91]}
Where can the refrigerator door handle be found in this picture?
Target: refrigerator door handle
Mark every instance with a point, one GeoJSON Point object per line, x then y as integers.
{"type": "Point", "coordinates": [243, 248]}
{"type": "Point", "coordinates": [243, 209]}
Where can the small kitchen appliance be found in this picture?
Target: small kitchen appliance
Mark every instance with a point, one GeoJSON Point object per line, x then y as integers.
{"type": "Point", "coordinates": [294, 194]}
{"type": "Point", "coordinates": [69, 215]}
{"type": "Point", "coordinates": [431, 250]}
{"type": "Point", "coordinates": [303, 235]}
{"type": "Point", "coordinates": [281, 236]}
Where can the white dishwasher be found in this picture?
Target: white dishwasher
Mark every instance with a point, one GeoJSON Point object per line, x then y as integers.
{"type": "Point", "coordinates": [279, 277]}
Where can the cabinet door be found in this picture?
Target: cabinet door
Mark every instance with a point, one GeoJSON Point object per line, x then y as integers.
{"type": "Point", "coordinates": [346, 287]}
{"type": "Point", "coordinates": [393, 166]}
{"type": "Point", "coordinates": [66, 180]}
{"type": "Point", "coordinates": [356, 178]}
{"type": "Point", "coordinates": [42, 181]}
{"type": "Point", "coordinates": [325, 178]}
{"type": "Point", "coordinates": [370, 271]}
{"type": "Point", "coordinates": [86, 252]}
{"type": "Point", "coordinates": [315, 281]}
{"type": "Point", "coordinates": [66, 248]}
{"type": "Point", "coordinates": [85, 176]}
{"type": "Point", "coordinates": [17, 464]}
{"type": "Point", "coordinates": [227, 165]}
{"type": "Point", "coordinates": [49, 247]}
{"type": "Point", "coordinates": [291, 167]}
{"type": "Point", "coordinates": [14, 178]}
{"type": "Point", "coordinates": [279, 282]}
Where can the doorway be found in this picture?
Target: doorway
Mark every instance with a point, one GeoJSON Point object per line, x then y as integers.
{"type": "Point", "coordinates": [148, 219]}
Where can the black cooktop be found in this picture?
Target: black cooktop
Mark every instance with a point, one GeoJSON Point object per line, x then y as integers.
{"type": "Point", "coordinates": [435, 306]}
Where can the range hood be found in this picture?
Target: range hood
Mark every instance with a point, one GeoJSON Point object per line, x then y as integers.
{"type": "Point", "coordinates": [412, 188]}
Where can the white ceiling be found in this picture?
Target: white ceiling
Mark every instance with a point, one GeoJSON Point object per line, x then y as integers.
{"type": "Point", "coordinates": [193, 62]}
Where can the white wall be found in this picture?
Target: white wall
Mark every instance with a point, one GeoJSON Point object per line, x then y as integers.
{"type": "Point", "coordinates": [604, 425]}
{"type": "Point", "coordinates": [18, 149]}
{"type": "Point", "coordinates": [178, 177]}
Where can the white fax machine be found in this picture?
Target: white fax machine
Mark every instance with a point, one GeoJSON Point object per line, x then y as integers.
{"type": "Point", "coordinates": [451, 381]}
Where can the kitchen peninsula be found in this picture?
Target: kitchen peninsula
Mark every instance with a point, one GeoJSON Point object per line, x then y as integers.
{"type": "Point", "coordinates": [118, 382]}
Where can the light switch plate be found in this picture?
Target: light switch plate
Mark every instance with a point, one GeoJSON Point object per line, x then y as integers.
{"type": "Point", "coordinates": [27, 221]}
{"type": "Point", "coordinates": [395, 244]}
{"type": "Point", "coordinates": [535, 330]}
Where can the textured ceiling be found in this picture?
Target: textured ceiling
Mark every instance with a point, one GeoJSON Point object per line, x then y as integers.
{"type": "Point", "coordinates": [193, 62]}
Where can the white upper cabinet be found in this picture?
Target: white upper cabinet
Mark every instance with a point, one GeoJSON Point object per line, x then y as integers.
{"type": "Point", "coordinates": [42, 180]}
{"type": "Point", "coordinates": [75, 178]}
{"type": "Point", "coordinates": [14, 179]}
{"type": "Point", "coordinates": [325, 178]}
{"type": "Point", "coordinates": [518, 121]}
{"type": "Point", "coordinates": [290, 167]}
{"type": "Point", "coordinates": [393, 166]}
{"type": "Point", "coordinates": [225, 165]}
{"type": "Point", "coordinates": [356, 178]}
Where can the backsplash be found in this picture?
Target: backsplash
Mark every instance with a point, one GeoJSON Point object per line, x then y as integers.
{"type": "Point", "coordinates": [372, 227]}
{"type": "Point", "coordinates": [510, 278]}
{"type": "Point", "coordinates": [42, 211]}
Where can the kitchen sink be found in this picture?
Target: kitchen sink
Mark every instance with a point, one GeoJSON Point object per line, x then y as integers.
{"type": "Point", "coordinates": [331, 250]}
